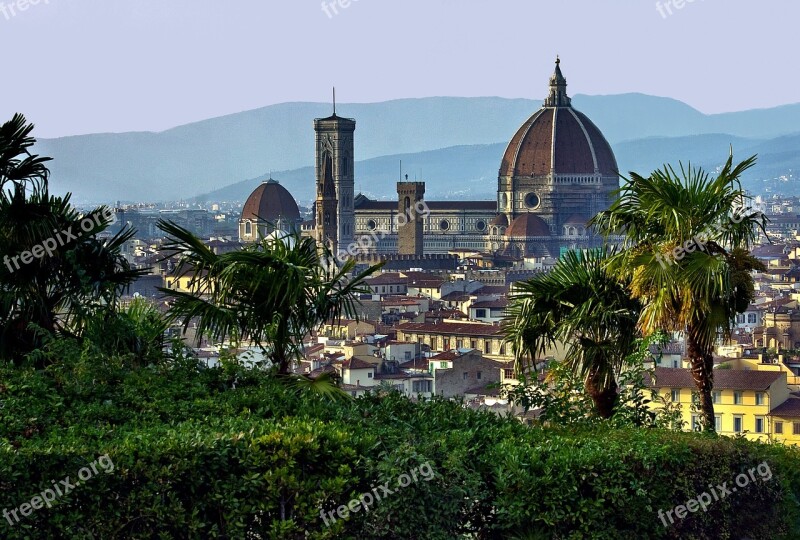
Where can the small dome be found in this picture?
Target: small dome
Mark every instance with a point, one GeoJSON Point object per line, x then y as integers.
{"type": "Point", "coordinates": [500, 221]}
{"type": "Point", "coordinates": [528, 225]}
{"type": "Point", "coordinates": [271, 202]}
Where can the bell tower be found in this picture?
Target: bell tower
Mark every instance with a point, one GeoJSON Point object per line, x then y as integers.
{"type": "Point", "coordinates": [410, 237]}
{"type": "Point", "coordinates": [335, 219]}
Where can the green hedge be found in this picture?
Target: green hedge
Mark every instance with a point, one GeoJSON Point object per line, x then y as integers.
{"type": "Point", "coordinates": [195, 458]}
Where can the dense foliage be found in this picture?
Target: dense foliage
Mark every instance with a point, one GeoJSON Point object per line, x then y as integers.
{"type": "Point", "coordinates": [56, 271]}
{"type": "Point", "coordinates": [230, 453]}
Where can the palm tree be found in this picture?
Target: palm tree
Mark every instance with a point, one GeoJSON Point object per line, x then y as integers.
{"type": "Point", "coordinates": [580, 304]}
{"type": "Point", "coordinates": [686, 239]}
{"type": "Point", "coordinates": [274, 292]}
{"type": "Point", "coordinates": [58, 289]}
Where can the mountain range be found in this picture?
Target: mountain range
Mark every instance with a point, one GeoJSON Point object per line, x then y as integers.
{"type": "Point", "coordinates": [455, 144]}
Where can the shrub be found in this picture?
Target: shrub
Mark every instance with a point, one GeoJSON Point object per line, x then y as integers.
{"type": "Point", "coordinates": [228, 453]}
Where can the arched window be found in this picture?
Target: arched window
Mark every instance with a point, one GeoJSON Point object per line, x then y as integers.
{"type": "Point", "coordinates": [248, 228]}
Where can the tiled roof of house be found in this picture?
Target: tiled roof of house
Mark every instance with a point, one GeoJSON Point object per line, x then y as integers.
{"type": "Point", "coordinates": [500, 303]}
{"type": "Point", "coordinates": [455, 296]}
{"type": "Point", "coordinates": [789, 408]}
{"type": "Point", "coordinates": [387, 278]}
{"type": "Point", "coordinates": [446, 355]}
{"type": "Point", "coordinates": [313, 349]}
{"type": "Point", "coordinates": [724, 379]}
{"type": "Point", "coordinates": [416, 363]}
{"type": "Point", "coordinates": [357, 363]}
{"type": "Point", "coordinates": [488, 290]}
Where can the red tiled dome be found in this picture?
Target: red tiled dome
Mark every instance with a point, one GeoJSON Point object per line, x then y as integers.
{"type": "Point", "coordinates": [271, 202]}
{"type": "Point", "coordinates": [558, 139]}
{"type": "Point", "coordinates": [528, 225]}
{"type": "Point", "coordinates": [500, 221]}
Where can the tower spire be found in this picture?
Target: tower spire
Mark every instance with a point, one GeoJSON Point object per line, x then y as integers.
{"type": "Point", "coordinates": [334, 101]}
{"type": "Point", "coordinates": [558, 89]}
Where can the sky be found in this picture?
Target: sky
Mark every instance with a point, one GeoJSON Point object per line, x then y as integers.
{"type": "Point", "coordinates": [85, 66]}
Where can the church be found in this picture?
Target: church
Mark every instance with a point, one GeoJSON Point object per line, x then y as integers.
{"type": "Point", "coordinates": [556, 173]}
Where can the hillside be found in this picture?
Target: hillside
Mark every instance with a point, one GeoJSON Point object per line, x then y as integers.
{"type": "Point", "coordinates": [470, 172]}
{"type": "Point", "coordinates": [198, 158]}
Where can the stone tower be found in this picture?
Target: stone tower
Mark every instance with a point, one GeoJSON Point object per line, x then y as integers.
{"type": "Point", "coordinates": [335, 219]}
{"type": "Point", "coordinates": [410, 237]}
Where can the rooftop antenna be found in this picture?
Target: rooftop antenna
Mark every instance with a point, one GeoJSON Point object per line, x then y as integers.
{"type": "Point", "coordinates": [334, 101]}
{"type": "Point", "coordinates": [401, 169]}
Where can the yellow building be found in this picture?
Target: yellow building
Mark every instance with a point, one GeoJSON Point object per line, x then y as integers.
{"type": "Point", "coordinates": [786, 421]}
{"type": "Point", "coordinates": [345, 329]}
{"type": "Point", "coordinates": [446, 336]}
{"type": "Point", "coordinates": [753, 403]}
{"type": "Point", "coordinates": [187, 282]}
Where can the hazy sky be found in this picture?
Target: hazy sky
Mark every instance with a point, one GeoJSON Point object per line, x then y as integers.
{"type": "Point", "coordinates": [80, 66]}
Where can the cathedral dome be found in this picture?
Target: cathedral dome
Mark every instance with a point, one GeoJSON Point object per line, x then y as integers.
{"type": "Point", "coordinates": [527, 225]}
{"type": "Point", "coordinates": [500, 221]}
{"type": "Point", "coordinates": [558, 139]}
{"type": "Point", "coordinates": [271, 202]}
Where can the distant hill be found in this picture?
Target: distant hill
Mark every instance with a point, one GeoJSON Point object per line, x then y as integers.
{"type": "Point", "coordinates": [470, 172]}
{"type": "Point", "coordinates": [201, 157]}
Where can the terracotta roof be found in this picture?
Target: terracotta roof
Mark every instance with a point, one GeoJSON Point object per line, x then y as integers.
{"type": "Point", "coordinates": [500, 221]}
{"type": "Point", "coordinates": [388, 278]}
{"type": "Point", "coordinates": [724, 379]}
{"type": "Point", "coordinates": [790, 408]}
{"type": "Point", "coordinates": [426, 283]}
{"type": "Point", "coordinates": [527, 225]}
{"type": "Point", "coordinates": [488, 290]}
{"type": "Point", "coordinates": [574, 142]}
{"type": "Point", "coordinates": [446, 356]}
{"type": "Point", "coordinates": [357, 363]}
{"type": "Point", "coordinates": [460, 329]}
{"type": "Point", "coordinates": [455, 296]}
{"type": "Point", "coordinates": [313, 349]}
{"type": "Point", "coordinates": [416, 363]}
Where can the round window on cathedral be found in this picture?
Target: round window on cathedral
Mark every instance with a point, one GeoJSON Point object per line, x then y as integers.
{"type": "Point", "coordinates": [481, 225]}
{"type": "Point", "coordinates": [444, 225]}
{"type": "Point", "coordinates": [532, 200]}
{"type": "Point", "coordinates": [371, 225]}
